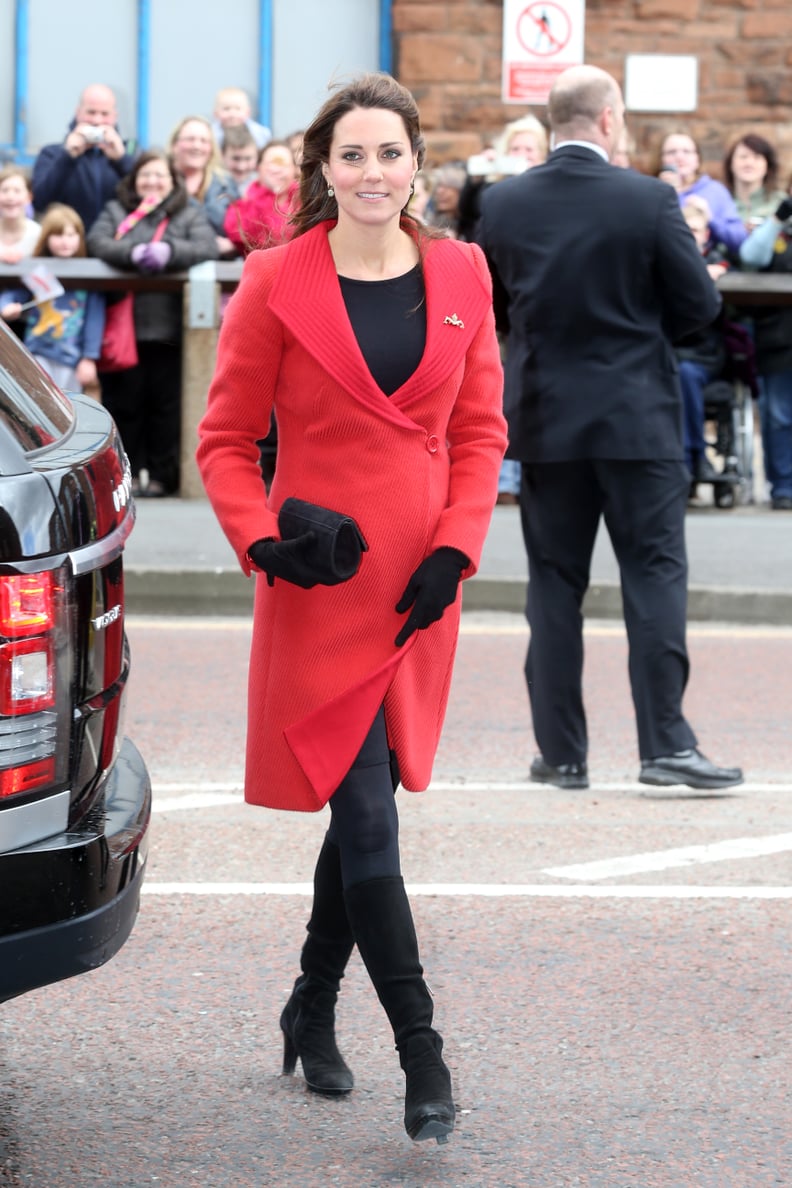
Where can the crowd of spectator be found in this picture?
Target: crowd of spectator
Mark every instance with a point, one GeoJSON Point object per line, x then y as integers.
{"type": "Point", "coordinates": [220, 187]}
{"type": "Point", "coordinates": [223, 186]}
{"type": "Point", "coordinates": [743, 221]}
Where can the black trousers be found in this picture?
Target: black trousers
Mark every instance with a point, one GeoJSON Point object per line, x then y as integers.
{"type": "Point", "coordinates": [145, 403]}
{"type": "Point", "coordinates": [643, 504]}
{"type": "Point", "coordinates": [364, 818]}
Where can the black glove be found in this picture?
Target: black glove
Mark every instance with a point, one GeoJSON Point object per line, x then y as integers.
{"type": "Point", "coordinates": [784, 210]}
{"type": "Point", "coordinates": [286, 559]}
{"type": "Point", "coordinates": [430, 590]}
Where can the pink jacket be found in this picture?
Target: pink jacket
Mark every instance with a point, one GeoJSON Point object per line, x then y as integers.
{"type": "Point", "coordinates": [260, 219]}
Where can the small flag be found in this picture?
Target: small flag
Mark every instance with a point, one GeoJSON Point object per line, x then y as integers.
{"type": "Point", "coordinates": [42, 284]}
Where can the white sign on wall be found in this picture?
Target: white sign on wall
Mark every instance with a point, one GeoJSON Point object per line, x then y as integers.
{"type": "Point", "coordinates": [541, 38]}
{"type": "Point", "coordinates": [661, 82]}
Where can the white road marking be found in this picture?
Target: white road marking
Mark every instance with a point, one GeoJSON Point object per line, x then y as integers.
{"type": "Point", "coordinates": [196, 800]}
{"type": "Point", "coordinates": [473, 623]}
{"type": "Point", "coordinates": [489, 890]}
{"type": "Point", "coordinates": [191, 795]}
{"type": "Point", "coordinates": [723, 851]}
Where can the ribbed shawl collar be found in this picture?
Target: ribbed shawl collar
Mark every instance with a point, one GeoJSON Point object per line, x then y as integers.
{"type": "Point", "coordinates": [306, 297]}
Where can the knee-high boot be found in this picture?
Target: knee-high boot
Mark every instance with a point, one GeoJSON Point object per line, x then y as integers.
{"type": "Point", "coordinates": [308, 1019]}
{"type": "Point", "coordinates": [382, 925]}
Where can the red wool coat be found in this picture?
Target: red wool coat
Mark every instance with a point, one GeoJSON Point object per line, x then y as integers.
{"type": "Point", "coordinates": [417, 470]}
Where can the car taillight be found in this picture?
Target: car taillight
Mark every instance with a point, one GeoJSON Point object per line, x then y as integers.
{"type": "Point", "coordinates": [27, 778]}
{"type": "Point", "coordinates": [27, 676]}
{"type": "Point", "coordinates": [27, 604]}
{"type": "Point", "coordinates": [28, 617]}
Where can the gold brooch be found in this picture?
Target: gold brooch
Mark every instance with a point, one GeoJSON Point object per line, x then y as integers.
{"type": "Point", "coordinates": [453, 320]}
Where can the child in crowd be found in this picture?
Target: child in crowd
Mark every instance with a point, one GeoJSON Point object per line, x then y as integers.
{"type": "Point", "coordinates": [232, 110]}
{"type": "Point", "coordinates": [18, 233]}
{"type": "Point", "coordinates": [64, 334]}
{"type": "Point", "coordinates": [240, 156]}
{"type": "Point", "coordinates": [261, 218]}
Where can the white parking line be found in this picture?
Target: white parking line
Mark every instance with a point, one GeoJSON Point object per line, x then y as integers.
{"type": "Point", "coordinates": [196, 800]}
{"type": "Point", "coordinates": [198, 794]}
{"type": "Point", "coordinates": [473, 623]}
{"type": "Point", "coordinates": [489, 890]}
{"type": "Point", "coordinates": [724, 851]}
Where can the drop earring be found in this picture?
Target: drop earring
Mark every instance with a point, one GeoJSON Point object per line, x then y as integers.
{"type": "Point", "coordinates": [330, 192]}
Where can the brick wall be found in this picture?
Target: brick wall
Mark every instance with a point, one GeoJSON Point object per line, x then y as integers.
{"type": "Point", "coordinates": [449, 55]}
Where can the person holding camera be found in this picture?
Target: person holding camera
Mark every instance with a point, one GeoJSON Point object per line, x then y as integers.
{"type": "Point", "coordinates": [678, 163]}
{"type": "Point", "coordinates": [521, 145]}
{"type": "Point", "coordinates": [84, 170]}
{"type": "Point", "coordinates": [769, 248]}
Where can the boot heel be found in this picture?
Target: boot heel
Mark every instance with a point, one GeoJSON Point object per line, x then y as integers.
{"type": "Point", "coordinates": [289, 1056]}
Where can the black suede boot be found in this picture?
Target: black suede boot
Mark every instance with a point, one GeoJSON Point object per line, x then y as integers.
{"type": "Point", "coordinates": [382, 925]}
{"type": "Point", "coordinates": [308, 1019]}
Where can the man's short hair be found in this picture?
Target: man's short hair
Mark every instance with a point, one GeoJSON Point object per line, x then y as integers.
{"type": "Point", "coordinates": [580, 101]}
{"type": "Point", "coordinates": [238, 137]}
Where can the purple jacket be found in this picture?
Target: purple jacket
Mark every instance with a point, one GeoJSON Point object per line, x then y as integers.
{"type": "Point", "coordinates": [726, 225]}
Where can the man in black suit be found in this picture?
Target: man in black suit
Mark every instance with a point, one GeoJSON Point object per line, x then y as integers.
{"type": "Point", "coordinates": [595, 275]}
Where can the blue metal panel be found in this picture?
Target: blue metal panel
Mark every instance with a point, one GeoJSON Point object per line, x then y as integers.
{"type": "Point", "coordinates": [143, 71]}
{"type": "Point", "coordinates": [265, 63]}
{"type": "Point", "coordinates": [21, 79]}
{"type": "Point", "coordinates": [386, 36]}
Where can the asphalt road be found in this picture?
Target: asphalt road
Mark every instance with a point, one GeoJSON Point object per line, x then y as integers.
{"type": "Point", "coordinates": [610, 967]}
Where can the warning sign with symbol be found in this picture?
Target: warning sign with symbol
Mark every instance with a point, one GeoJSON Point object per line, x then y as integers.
{"type": "Point", "coordinates": [540, 39]}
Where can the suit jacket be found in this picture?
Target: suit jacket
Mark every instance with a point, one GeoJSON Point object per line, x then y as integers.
{"type": "Point", "coordinates": [595, 274]}
{"type": "Point", "coordinates": [417, 470]}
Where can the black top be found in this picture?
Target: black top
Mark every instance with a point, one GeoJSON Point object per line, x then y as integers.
{"type": "Point", "coordinates": [389, 321]}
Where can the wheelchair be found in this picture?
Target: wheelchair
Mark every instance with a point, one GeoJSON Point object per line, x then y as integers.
{"type": "Point", "coordinates": [729, 411]}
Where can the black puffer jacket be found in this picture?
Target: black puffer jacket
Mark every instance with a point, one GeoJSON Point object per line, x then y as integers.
{"type": "Point", "coordinates": [190, 236]}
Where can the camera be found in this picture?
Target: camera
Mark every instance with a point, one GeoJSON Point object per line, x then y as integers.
{"type": "Point", "coordinates": [93, 134]}
{"type": "Point", "coordinates": [480, 165]}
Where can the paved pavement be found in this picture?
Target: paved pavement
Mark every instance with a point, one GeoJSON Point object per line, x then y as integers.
{"type": "Point", "coordinates": [179, 562]}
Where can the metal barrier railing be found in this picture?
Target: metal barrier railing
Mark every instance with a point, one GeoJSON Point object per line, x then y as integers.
{"type": "Point", "coordinates": [201, 287]}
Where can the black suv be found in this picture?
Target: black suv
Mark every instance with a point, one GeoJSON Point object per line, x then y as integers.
{"type": "Point", "coordinates": [75, 795]}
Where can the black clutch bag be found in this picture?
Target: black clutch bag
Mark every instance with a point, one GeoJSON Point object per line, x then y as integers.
{"type": "Point", "coordinates": [338, 543]}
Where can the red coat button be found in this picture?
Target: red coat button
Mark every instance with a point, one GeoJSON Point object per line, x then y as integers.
{"type": "Point", "coordinates": [432, 444]}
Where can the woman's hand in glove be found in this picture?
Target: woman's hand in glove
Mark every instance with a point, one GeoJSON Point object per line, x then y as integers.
{"type": "Point", "coordinates": [430, 590]}
{"type": "Point", "coordinates": [286, 559]}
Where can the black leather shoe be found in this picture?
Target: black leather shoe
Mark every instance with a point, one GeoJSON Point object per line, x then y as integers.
{"type": "Point", "coordinates": [566, 775]}
{"type": "Point", "coordinates": [782, 503]}
{"type": "Point", "coordinates": [688, 767]}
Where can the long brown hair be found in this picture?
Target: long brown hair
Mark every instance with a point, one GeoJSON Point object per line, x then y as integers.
{"type": "Point", "coordinates": [56, 218]}
{"type": "Point", "coordinates": [368, 91]}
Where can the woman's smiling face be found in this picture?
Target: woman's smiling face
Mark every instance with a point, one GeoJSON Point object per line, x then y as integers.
{"type": "Point", "coordinates": [14, 197]}
{"type": "Point", "coordinates": [193, 146]}
{"type": "Point", "coordinates": [154, 180]}
{"type": "Point", "coordinates": [371, 166]}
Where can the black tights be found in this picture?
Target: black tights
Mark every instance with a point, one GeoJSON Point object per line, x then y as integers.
{"type": "Point", "coordinates": [364, 821]}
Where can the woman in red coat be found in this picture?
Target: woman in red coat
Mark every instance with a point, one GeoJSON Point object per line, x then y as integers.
{"type": "Point", "coordinates": [373, 341]}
